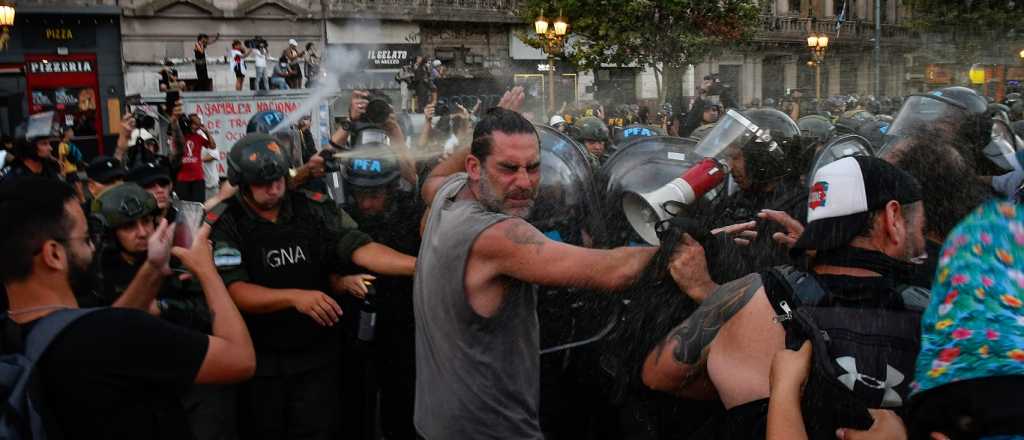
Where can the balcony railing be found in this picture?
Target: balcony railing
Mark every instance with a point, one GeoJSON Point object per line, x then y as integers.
{"type": "Point", "coordinates": [794, 29]}
{"type": "Point", "coordinates": [441, 10]}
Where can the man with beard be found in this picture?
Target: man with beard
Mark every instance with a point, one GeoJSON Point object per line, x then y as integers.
{"type": "Point", "coordinates": [477, 341]}
{"type": "Point", "coordinates": [129, 216]}
{"type": "Point", "coordinates": [866, 225]}
{"type": "Point", "coordinates": [954, 189]}
{"type": "Point", "coordinates": [388, 210]}
{"type": "Point", "coordinates": [116, 372]}
{"type": "Point", "coordinates": [277, 249]}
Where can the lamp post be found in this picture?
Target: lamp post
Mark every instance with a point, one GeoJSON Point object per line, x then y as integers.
{"type": "Point", "coordinates": [817, 43]}
{"type": "Point", "coordinates": [553, 35]}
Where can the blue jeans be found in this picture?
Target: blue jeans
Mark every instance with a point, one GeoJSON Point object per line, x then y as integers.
{"type": "Point", "coordinates": [278, 82]}
{"type": "Point", "coordinates": [261, 78]}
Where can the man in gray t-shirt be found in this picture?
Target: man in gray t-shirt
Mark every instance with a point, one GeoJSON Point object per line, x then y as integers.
{"type": "Point", "coordinates": [477, 345]}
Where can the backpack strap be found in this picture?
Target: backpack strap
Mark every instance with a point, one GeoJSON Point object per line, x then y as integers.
{"type": "Point", "coordinates": [36, 343]}
{"type": "Point", "coordinates": [787, 289]}
{"type": "Point", "coordinates": [48, 328]}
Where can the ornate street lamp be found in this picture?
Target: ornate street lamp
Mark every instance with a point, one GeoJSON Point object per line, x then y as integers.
{"type": "Point", "coordinates": [818, 44]}
{"type": "Point", "coordinates": [553, 35]}
{"type": "Point", "coordinates": [6, 14]}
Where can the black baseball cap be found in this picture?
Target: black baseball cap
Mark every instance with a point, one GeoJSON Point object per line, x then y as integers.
{"type": "Point", "coordinates": [147, 173]}
{"type": "Point", "coordinates": [843, 195]}
{"type": "Point", "coordinates": [105, 169]}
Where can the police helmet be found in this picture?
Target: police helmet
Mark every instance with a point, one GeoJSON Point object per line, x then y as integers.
{"type": "Point", "coordinates": [256, 158]}
{"type": "Point", "coordinates": [851, 121]}
{"type": "Point", "coordinates": [764, 157]}
{"type": "Point", "coordinates": [959, 109]}
{"type": "Point", "coordinates": [816, 127]}
{"type": "Point", "coordinates": [371, 165]}
{"type": "Point", "coordinates": [265, 121]}
{"type": "Point", "coordinates": [123, 204]}
{"type": "Point", "coordinates": [874, 132]}
{"type": "Point", "coordinates": [593, 129]}
{"type": "Point", "coordinates": [37, 127]}
{"type": "Point", "coordinates": [769, 103]}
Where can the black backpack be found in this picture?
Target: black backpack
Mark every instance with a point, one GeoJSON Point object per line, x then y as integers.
{"type": "Point", "coordinates": [20, 416]}
{"type": "Point", "coordinates": [863, 357]}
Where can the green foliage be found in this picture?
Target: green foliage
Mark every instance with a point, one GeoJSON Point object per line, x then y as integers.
{"type": "Point", "coordinates": [951, 15]}
{"type": "Point", "coordinates": [968, 29]}
{"type": "Point", "coordinates": [646, 32]}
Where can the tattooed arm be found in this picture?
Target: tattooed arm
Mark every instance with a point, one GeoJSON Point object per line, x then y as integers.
{"type": "Point", "coordinates": [677, 363]}
{"type": "Point", "coordinates": [516, 249]}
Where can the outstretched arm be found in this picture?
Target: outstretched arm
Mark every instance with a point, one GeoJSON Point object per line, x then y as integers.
{"type": "Point", "coordinates": [680, 359]}
{"type": "Point", "coordinates": [516, 249]}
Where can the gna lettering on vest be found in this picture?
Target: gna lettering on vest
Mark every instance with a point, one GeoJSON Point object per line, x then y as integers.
{"type": "Point", "coordinates": [282, 257]}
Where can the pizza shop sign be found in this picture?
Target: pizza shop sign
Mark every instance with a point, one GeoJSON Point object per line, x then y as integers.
{"type": "Point", "coordinates": [60, 67]}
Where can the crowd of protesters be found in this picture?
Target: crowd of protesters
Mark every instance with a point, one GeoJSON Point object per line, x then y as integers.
{"type": "Point", "coordinates": [847, 286]}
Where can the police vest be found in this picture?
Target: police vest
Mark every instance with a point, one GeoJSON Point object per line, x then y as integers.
{"type": "Point", "coordinates": [294, 255]}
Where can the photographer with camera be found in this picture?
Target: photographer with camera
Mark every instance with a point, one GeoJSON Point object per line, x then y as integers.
{"type": "Point", "coordinates": [237, 55]}
{"type": "Point", "coordinates": [707, 106]}
{"type": "Point", "coordinates": [372, 119]}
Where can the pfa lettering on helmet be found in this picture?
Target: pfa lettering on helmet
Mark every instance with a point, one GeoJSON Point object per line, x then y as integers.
{"type": "Point", "coordinates": [371, 165]}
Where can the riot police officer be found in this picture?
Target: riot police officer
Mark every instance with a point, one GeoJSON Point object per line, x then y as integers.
{"type": "Point", "coordinates": [763, 172]}
{"type": "Point", "coordinates": [275, 249]}
{"type": "Point", "coordinates": [389, 210]}
{"type": "Point", "coordinates": [305, 165]}
{"type": "Point", "coordinates": [33, 150]}
{"type": "Point", "coordinates": [593, 134]}
{"type": "Point", "coordinates": [126, 216]}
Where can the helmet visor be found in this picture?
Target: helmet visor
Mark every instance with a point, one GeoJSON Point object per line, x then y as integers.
{"type": "Point", "coordinates": [924, 109]}
{"type": "Point", "coordinates": [733, 130]}
{"type": "Point", "coordinates": [845, 146]}
{"type": "Point", "coordinates": [1001, 148]}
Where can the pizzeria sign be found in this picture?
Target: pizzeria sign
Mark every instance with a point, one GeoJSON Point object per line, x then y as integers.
{"type": "Point", "coordinates": [60, 67]}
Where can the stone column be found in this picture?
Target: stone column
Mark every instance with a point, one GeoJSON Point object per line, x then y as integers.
{"type": "Point", "coordinates": [781, 7]}
{"type": "Point", "coordinates": [834, 68]}
{"type": "Point", "coordinates": [758, 91]}
{"type": "Point", "coordinates": [747, 79]}
{"type": "Point", "coordinates": [789, 73]}
{"type": "Point", "coordinates": [865, 77]}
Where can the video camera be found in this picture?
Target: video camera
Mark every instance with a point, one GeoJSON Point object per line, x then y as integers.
{"type": "Point", "coordinates": [370, 126]}
{"type": "Point", "coordinates": [717, 88]}
{"type": "Point", "coordinates": [255, 42]}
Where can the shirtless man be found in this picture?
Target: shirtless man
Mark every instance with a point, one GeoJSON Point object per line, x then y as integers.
{"type": "Point", "coordinates": [725, 347]}
{"type": "Point", "coordinates": [477, 345]}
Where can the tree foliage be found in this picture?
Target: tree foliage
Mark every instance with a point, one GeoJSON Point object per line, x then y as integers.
{"type": "Point", "coordinates": [646, 32]}
{"type": "Point", "coordinates": [968, 28]}
{"type": "Point", "coordinates": [951, 15]}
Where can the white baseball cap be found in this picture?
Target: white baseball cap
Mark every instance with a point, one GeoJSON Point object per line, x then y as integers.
{"type": "Point", "coordinates": [292, 42]}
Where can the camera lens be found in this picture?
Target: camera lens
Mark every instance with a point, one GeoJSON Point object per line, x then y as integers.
{"type": "Point", "coordinates": [377, 111]}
